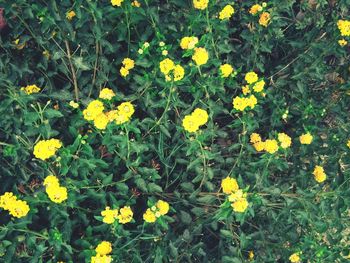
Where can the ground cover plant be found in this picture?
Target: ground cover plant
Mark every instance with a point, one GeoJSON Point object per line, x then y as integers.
{"type": "Point", "coordinates": [174, 131]}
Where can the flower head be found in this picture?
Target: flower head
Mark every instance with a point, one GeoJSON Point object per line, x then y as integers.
{"type": "Point", "coordinates": [319, 174]}
{"type": "Point", "coordinates": [306, 138]}
{"type": "Point", "coordinates": [251, 77]}
{"type": "Point", "coordinates": [200, 4]}
{"type": "Point", "coordinates": [264, 19]}
{"type": "Point", "coordinates": [226, 70]}
{"type": "Point", "coordinates": [104, 248]}
{"type": "Point", "coordinates": [106, 94]}
{"type": "Point", "coordinates": [188, 42]}
{"type": "Point", "coordinates": [229, 185]}
{"type": "Point", "coordinates": [200, 56]}
{"type": "Point", "coordinates": [226, 12]}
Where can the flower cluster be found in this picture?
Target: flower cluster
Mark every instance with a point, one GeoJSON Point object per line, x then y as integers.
{"type": "Point", "coordinates": [344, 28]}
{"type": "Point", "coordinates": [193, 121]}
{"type": "Point", "coordinates": [200, 56]}
{"type": "Point", "coordinates": [70, 15]}
{"type": "Point", "coordinates": [29, 89]}
{"type": "Point", "coordinates": [158, 210]}
{"type": "Point", "coordinates": [294, 258]}
{"type": "Point", "coordinates": [264, 17]}
{"type": "Point", "coordinates": [253, 85]}
{"type": "Point", "coordinates": [200, 4]}
{"type": "Point", "coordinates": [123, 215]}
{"type": "Point", "coordinates": [56, 193]}
{"type": "Point", "coordinates": [226, 12]}
{"type": "Point", "coordinates": [117, 2]}
{"type": "Point", "coordinates": [270, 145]}
{"type": "Point", "coordinates": [319, 174]}
{"type": "Point", "coordinates": [237, 197]}
{"type": "Point", "coordinates": [171, 71]}
{"type": "Point", "coordinates": [188, 42]}
{"type": "Point", "coordinates": [16, 208]}
{"type": "Point", "coordinates": [306, 138]}
{"type": "Point", "coordinates": [226, 70]}
{"type": "Point", "coordinates": [127, 65]}
{"type": "Point", "coordinates": [106, 94]}
{"type": "Point", "coordinates": [45, 149]}
{"type": "Point", "coordinates": [102, 253]}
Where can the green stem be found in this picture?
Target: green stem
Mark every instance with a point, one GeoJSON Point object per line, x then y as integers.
{"type": "Point", "coordinates": [211, 32]}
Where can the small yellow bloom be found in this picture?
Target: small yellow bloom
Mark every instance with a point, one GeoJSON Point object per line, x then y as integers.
{"type": "Point", "coordinates": [229, 185]}
{"type": "Point", "coordinates": [200, 56]}
{"type": "Point", "coordinates": [101, 121]}
{"type": "Point", "coordinates": [344, 27]}
{"type": "Point", "coordinates": [51, 180]}
{"type": "Point", "coordinates": [251, 255]}
{"type": "Point", "coordinates": [101, 259]}
{"type": "Point", "coordinates": [166, 65]}
{"type": "Point", "coordinates": [226, 70]}
{"type": "Point", "coordinates": [94, 109]}
{"type": "Point", "coordinates": [342, 42]}
{"type": "Point", "coordinates": [190, 123]}
{"type": "Point", "coordinates": [117, 2]}
{"type": "Point", "coordinates": [251, 77]}
{"type": "Point", "coordinates": [163, 207]}
{"type": "Point", "coordinates": [106, 94]}
{"type": "Point", "coordinates": [45, 149]}
{"type": "Point", "coordinates": [18, 45]}
{"type": "Point", "coordinates": [285, 140]}
{"type": "Point", "coordinates": [306, 138]}
{"type": "Point", "coordinates": [259, 86]}
{"type": "Point", "coordinates": [188, 42]}
{"type": "Point", "coordinates": [149, 216]}
{"type": "Point", "coordinates": [128, 63]}
{"type": "Point", "coordinates": [165, 52]}
{"type": "Point", "coordinates": [255, 9]}
{"type": "Point", "coordinates": [124, 72]}
{"type": "Point", "coordinates": [294, 258]}
{"type": "Point", "coordinates": [109, 215]}
{"type": "Point", "coordinates": [200, 4]}
{"type": "Point", "coordinates": [319, 174]}
{"type": "Point", "coordinates": [73, 104]}
{"type": "Point", "coordinates": [70, 15]}
{"type": "Point", "coordinates": [264, 19]}
{"type": "Point", "coordinates": [348, 144]}
{"type": "Point", "coordinates": [104, 248]}
{"type": "Point", "coordinates": [179, 72]}
{"type": "Point", "coordinates": [226, 12]}
{"type": "Point", "coordinates": [245, 90]}
{"type": "Point", "coordinates": [126, 108]}
{"type": "Point", "coordinates": [125, 215]}
{"type": "Point", "coordinates": [240, 205]}
{"type": "Point", "coordinates": [255, 137]}
{"type": "Point", "coordinates": [56, 193]}
{"type": "Point", "coordinates": [136, 3]}
{"type": "Point", "coordinates": [259, 146]}
{"type": "Point", "coordinates": [271, 146]}
{"type": "Point", "coordinates": [46, 54]}
{"type": "Point", "coordinates": [29, 89]}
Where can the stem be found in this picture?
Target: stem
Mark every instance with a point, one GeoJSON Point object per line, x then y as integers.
{"type": "Point", "coordinates": [76, 90]}
{"type": "Point", "coordinates": [204, 163]}
{"type": "Point", "coordinates": [211, 32]}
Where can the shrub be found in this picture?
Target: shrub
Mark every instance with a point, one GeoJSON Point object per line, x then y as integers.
{"type": "Point", "coordinates": [174, 131]}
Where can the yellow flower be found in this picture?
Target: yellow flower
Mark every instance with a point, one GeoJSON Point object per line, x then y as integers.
{"type": "Point", "coordinates": [271, 146]}
{"type": "Point", "coordinates": [56, 193]}
{"type": "Point", "coordinates": [251, 101]}
{"type": "Point", "coordinates": [200, 116]}
{"type": "Point", "coordinates": [18, 208]}
{"type": "Point", "coordinates": [285, 140]}
{"type": "Point", "coordinates": [101, 121]}
{"type": "Point", "coordinates": [234, 196]}
{"type": "Point", "coordinates": [70, 15]}
{"type": "Point", "coordinates": [18, 45]}
{"type": "Point", "coordinates": [101, 259]}
{"type": "Point", "coordinates": [200, 56]}
{"type": "Point", "coordinates": [259, 86]}
{"type": "Point", "coordinates": [226, 12]}
{"type": "Point", "coordinates": [126, 108]}
{"type": "Point", "coordinates": [46, 54]}
{"type": "Point", "coordinates": [200, 4]}
{"type": "Point", "coordinates": [166, 65]}
{"type": "Point", "coordinates": [179, 72]}
{"type": "Point", "coordinates": [94, 108]}
{"type": "Point", "coordinates": [239, 103]}
{"type": "Point", "coordinates": [245, 90]}
{"type": "Point", "coordinates": [104, 248]}
{"type": "Point", "coordinates": [51, 180]}
{"type": "Point", "coordinates": [251, 255]}
{"type": "Point", "coordinates": [342, 42]}
{"type": "Point", "coordinates": [163, 207]}
{"type": "Point", "coordinates": [255, 9]}
{"type": "Point", "coordinates": [29, 89]}
{"type": "Point", "coordinates": [7, 200]}
{"type": "Point", "coordinates": [319, 174]}
{"type": "Point", "coordinates": [128, 63]}
{"type": "Point", "coordinates": [121, 118]}
{"type": "Point", "coordinates": [73, 104]}
{"type": "Point", "coordinates": [344, 27]}
{"type": "Point", "coordinates": [106, 94]}
{"type": "Point", "coordinates": [348, 144]}
{"type": "Point", "coordinates": [125, 215]}
{"type": "Point", "coordinates": [109, 215]}
{"type": "Point", "coordinates": [136, 3]}
{"type": "Point", "coordinates": [229, 185]}
{"type": "Point", "coordinates": [255, 137]}
{"type": "Point", "coordinates": [264, 19]}
{"type": "Point", "coordinates": [251, 77]}
{"type": "Point", "coordinates": [259, 146]}
{"type": "Point", "coordinates": [226, 70]}
{"type": "Point", "coordinates": [124, 72]}
{"type": "Point", "coordinates": [294, 258]}
{"type": "Point", "coordinates": [306, 138]}
{"type": "Point", "coordinates": [188, 42]}
{"type": "Point", "coordinates": [45, 149]}
{"type": "Point", "coordinates": [117, 2]}
{"type": "Point", "coordinates": [190, 123]}
{"type": "Point", "coordinates": [149, 216]}
{"type": "Point", "coordinates": [240, 205]}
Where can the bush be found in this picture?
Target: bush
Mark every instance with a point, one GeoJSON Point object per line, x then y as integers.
{"type": "Point", "coordinates": [177, 131]}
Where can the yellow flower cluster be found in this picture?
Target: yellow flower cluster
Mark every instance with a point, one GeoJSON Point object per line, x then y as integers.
{"type": "Point", "coordinates": [226, 12]}
{"type": "Point", "coordinates": [188, 42]}
{"type": "Point", "coordinates": [56, 193]}
{"type": "Point", "coordinates": [70, 15]}
{"type": "Point", "coordinates": [294, 258]}
{"type": "Point", "coordinates": [117, 2]}
{"type": "Point", "coordinates": [226, 70]}
{"type": "Point", "coordinates": [306, 138]}
{"type": "Point", "coordinates": [270, 145]}
{"type": "Point", "coordinates": [161, 208]}
{"type": "Point", "coordinates": [136, 3]}
{"type": "Point", "coordinates": [348, 144]}
{"type": "Point", "coordinates": [200, 56]}
{"type": "Point", "coordinates": [255, 9]}
{"type": "Point", "coordinates": [254, 84]}
{"type": "Point", "coordinates": [73, 104]}
{"type": "Point", "coordinates": [106, 94]}
{"type": "Point", "coordinates": [169, 69]}
{"type": "Point", "coordinates": [16, 208]}
{"type": "Point", "coordinates": [200, 4]}
{"type": "Point", "coordinates": [128, 64]}
{"type": "Point", "coordinates": [344, 27]}
{"type": "Point", "coordinates": [45, 149]}
{"type": "Point", "coordinates": [342, 42]}
{"type": "Point", "coordinates": [319, 174]}
{"type": "Point", "coordinates": [29, 89]}
{"type": "Point", "coordinates": [237, 198]}
{"type": "Point", "coordinates": [264, 19]}
{"type": "Point", "coordinates": [193, 121]}
{"type": "Point", "coordinates": [102, 253]}
{"type": "Point", "coordinates": [123, 215]}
